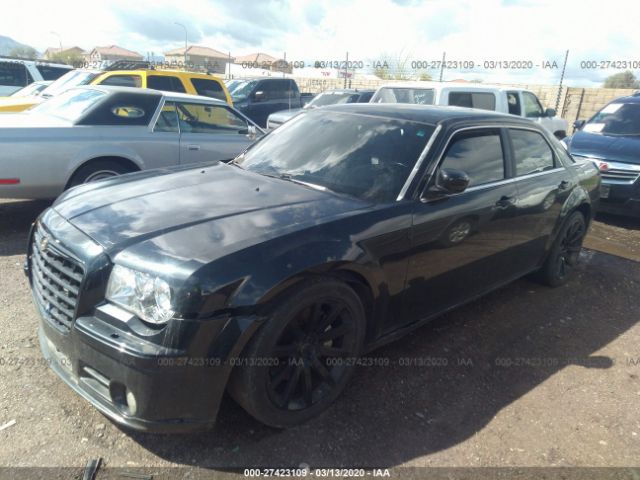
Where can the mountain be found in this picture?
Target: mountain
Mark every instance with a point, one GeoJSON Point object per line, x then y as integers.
{"type": "Point", "coordinates": [7, 44]}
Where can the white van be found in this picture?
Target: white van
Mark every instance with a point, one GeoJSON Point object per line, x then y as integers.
{"type": "Point", "coordinates": [16, 73]}
{"type": "Point", "coordinates": [515, 101]}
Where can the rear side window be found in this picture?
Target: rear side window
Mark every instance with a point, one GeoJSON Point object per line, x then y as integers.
{"type": "Point", "coordinates": [166, 83]}
{"type": "Point", "coordinates": [208, 88]}
{"type": "Point", "coordinates": [123, 81]}
{"type": "Point", "coordinates": [13, 74]}
{"type": "Point", "coordinates": [513, 101]}
{"type": "Point", "coordinates": [365, 97]}
{"type": "Point", "coordinates": [124, 108]}
{"type": "Point", "coordinates": [481, 100]}
{"type": "Point", "coordinates": [479, 154]}
{"type": "Point", "coordinates": [419, 96]}
{"type": "Point", "coordinates": [532, 152]}
{"type": "Point", "coordinates": [51, 73]}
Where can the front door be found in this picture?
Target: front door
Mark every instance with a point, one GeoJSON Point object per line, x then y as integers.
{"type": "Point", "coordinates": [461, 242]}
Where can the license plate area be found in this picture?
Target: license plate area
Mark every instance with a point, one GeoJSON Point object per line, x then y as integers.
{"type": "Point", "coordinates": [605, 190]}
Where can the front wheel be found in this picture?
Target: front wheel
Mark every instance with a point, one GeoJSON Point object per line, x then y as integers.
{"type": "Point", "coordinates": [565, 251]}
{"type": "Point", "coordinates": [300, 360]}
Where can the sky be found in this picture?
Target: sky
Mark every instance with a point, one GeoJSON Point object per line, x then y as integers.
{"type": "Point", "coordinates": [535, 31]}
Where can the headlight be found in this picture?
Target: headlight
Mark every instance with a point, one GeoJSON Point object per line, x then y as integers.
{"type": "Point", "coordinates": [147, 296]}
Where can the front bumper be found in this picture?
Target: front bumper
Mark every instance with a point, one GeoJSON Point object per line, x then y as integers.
{"type": "Point", "coordinates": [620, 198]}
{"type": "Point", "coordinates": [171, 391]}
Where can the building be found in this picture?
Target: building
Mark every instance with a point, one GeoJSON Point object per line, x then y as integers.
{"type": "Point", "coordinates": [264, 61]}
{"type": "Point", "coordinates": [59, 53]}
{"type": "Point", "coordinates": [112, 53]}
{"type": "Point", "coordinates": [198, 57]}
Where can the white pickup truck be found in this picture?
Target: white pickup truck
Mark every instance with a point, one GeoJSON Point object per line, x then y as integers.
{"type": "Point", "coordinates": [515, 101]}
{"type": "Point", "coordinates": [16, 73]}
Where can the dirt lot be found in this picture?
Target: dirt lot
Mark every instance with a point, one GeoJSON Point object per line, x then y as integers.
{"type": "Point", "coordinates": [528, 377]}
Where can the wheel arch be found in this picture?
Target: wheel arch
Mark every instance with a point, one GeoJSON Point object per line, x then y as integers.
{"type": "Point", "coordinates": [129, 163]}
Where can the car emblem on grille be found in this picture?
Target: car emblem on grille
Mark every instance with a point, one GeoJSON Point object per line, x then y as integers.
{"type": "Point", "coordinates": [44, 243]}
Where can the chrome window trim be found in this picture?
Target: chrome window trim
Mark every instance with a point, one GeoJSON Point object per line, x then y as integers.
{"type": "Point", "coordinates": [419, 162]}
{"type": "Point", "coordinates": [156, 116]}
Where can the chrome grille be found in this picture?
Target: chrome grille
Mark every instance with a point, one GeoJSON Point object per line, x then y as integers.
{"type": "Point", "coordinates": [620, 174]}
{"type": "Point", "coordinates": [55, 280]}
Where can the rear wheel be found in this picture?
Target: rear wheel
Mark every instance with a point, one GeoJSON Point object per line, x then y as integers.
{"type": "Point", "coordinates": [564, 254]}
{"type": "Point", "coordinates": [98, 170]}
{"type": "Point", "coordinates": [300, 360]}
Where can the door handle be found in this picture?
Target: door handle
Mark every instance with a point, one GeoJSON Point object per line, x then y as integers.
{"type": "Point", "coordinates": [564, 184]}
{"type": "Point", "coordinates": [505, 202]}
{"type": "Point", "coordinates": [194, 147]}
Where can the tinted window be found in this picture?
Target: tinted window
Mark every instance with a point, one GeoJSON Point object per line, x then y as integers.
{"type": "Point", "coordinates": [200, 118]}
{"type": "Point", "coordinates": [275, 89]}
{"type": "Point", "coordinates": [532, 107]}
{"type": "Point", "coordinates": [366, 157]}
{"type": "Point", "coordinates": [478, 154]}
{"type": "Point", "coordinates": [532, 153]}
{"type": "Point", "coordinates": [209, 88]}
{"type": "Point", "coordinates": [421, 96]}
{"type": "Point", "coordinates": [333, 98]}
{"type": "Point", "coordinates": [123, 108]}
{"type": "Point", "coordinates": [166, 83]}
{"type": "Point", "coordinates": [51, 73]}
{"type": "Point", "coordinates": [482, 100]}
{"type": "Point", "coordinates": [365, 97]}
{"type": "Point", "coordinates": [13, 74]}
{"type": "Point", "coordinates": [123, 81]}
{"type": "Point", "coordinates": [513, 101]}
{"type": "Point", "coordinates": [168, 119]}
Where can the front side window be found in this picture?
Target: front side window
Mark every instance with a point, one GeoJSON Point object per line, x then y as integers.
{"type": "Point", "coordinates": [479, 154]}
{"type": "Point", "coordinates": [168, 119]}
{"type": "Point", "coordinates": [513, 101]}
{"type": "Point", "coordinates": [275, 90]}
{"type": "Point", "coordinates": [532, 107]}
{"type": "Point", "coordinates": [420, 96]}
{"type": "Point", "coordinates": [481, 100]}
{"type": "Point", "coordinates": [201, 118]}
{"type": "Point", "coordinates": [123, 81]}
{"type": "Point", "coordinates": [166, 83]}
{"type": "Point", "coordinates": [366, 157]}
{"type": "Point", "coordinates": [532, 152]}
{"type": "Point", "coordinates": [209, 88]}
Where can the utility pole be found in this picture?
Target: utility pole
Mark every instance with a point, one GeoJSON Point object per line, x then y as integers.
{"type": "Point", "coordinates": [59, 40]}
{"type": "Point", "coordinates": [564, 66]}
{"type": "Point", "coordinates": [444, 56]}
{"type": "Point", "coordinates": [346, 70]}
{"type": "Point", "coordinates": [185, 43]}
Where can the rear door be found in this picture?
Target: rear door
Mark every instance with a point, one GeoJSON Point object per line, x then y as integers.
{"type": "Point", "coordinates": [543, 185]}
{"type": "Point", "coordinates": [210, 132]}
{"type": "Point", "coordinates": [461, 242]}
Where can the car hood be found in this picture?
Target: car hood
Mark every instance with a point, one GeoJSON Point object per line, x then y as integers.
{"type": "Point", "coordinates": [624, 149]}
{"type": "Point", "coordinates": [11, 104]}
{"type": "Point", "coordinates": [218, 204]}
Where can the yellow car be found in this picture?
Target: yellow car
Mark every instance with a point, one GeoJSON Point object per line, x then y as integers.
{"type": "Point", "coordinates": [167, 80]}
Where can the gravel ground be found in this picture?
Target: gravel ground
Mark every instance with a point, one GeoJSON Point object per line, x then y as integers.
{"type": "Point", "coordinates": [527, 376]}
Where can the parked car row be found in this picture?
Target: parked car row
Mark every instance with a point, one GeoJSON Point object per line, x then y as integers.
{"type": "Point", "coordinates": [17, 73]}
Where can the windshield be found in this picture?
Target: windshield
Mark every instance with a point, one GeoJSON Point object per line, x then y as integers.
{"type": "Point", "coordinates": [332, 98]}
{"type": "Point", "coordinates": [363, 156]}
{"type": "Point", "coordinates": [421, 96]}
{"type": "Point", "coordinates": [74, 78]}
{"type": "Point", "coordinates": [242, 90]}
{"type": "Point", "coordinates": [70, 105]}
{"type": "Point", "coordinates": [616, 119]}
{"type": "Point", "coordinates": [232, 84]}
{"type": "Point", "coordinates": [29, 90]}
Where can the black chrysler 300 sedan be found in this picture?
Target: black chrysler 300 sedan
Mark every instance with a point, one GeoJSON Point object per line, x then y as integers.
{"type": "Point", "coordinates": [266, 277]}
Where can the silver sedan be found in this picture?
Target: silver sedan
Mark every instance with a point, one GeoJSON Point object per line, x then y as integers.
{"type": "Point", "coordinates": [91, 133]}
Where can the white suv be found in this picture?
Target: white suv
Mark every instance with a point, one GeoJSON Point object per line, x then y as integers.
{"type": "Point", "coordinates": [16, 73]}
{"type": "Point", "coordinates": [515, 101]}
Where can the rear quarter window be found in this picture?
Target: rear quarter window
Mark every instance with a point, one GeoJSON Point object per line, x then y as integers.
{"type": "Point", "coordinates": [209, 88]}
{"type": "Point", "coordinates": [124, 109]}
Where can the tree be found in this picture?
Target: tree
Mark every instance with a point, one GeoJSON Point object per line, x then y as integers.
{"type": "Point", "coordinates": [24, 52]}
{"type": "Point", "coordinates": [622, 80]}
{"type": "Point", "coordinates": [392, 67]}
{"type": "Point", "coordinates": [424, 76]}
{"type": "Point", "coordinates": [69, 57]}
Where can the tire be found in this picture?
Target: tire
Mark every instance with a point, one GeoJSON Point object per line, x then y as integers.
{"type": "Point", "coordinates": [97, 170]}
{"type": "Point", "coordinates": [565, 251]}
{"type": "Point", "coordinates": [313, 334]}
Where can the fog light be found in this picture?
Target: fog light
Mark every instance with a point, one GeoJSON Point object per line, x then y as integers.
{"type": "Point", "coordinates": [131, 402]}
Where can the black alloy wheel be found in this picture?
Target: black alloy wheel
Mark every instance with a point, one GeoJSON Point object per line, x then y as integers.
{"type": "Point", "coordinates": [565, 252]}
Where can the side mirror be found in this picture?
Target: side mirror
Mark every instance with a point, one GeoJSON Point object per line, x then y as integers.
{"type": "Point", "coordinates": [448, 181]}
{"type": "Point", "coordinates": [578, 124]}
{"type": "Point", "coordinates": [259, 96]}
{"type": "Point", "coordinates": [550, 112]}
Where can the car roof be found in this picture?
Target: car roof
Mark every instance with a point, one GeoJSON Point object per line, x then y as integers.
{"type": "Point", "coordinates": [452, 86]}
{"type": "Point", "coordinates": [635, 98]}
{"type": "Point", "coordinates": [151, 91]}
{"type": "Point", "coordinates": [428, 114]}
{"type": "Point", "coordinates": [347, 90]}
